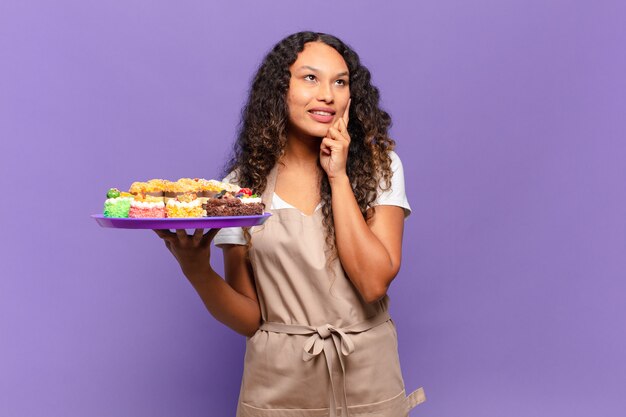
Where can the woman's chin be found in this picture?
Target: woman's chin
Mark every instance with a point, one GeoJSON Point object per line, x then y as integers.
{"type": "Point", "coordinates": [310, 134]}
{"type": "Point", "coordinates": [318, 133]}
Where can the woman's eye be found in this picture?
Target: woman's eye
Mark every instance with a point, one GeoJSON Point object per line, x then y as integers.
{"type": "Point", "coordinates": [342, 82]}
{"type": "Point", "coordinates": [310, 77]}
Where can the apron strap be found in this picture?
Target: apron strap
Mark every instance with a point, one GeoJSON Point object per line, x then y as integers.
{"type": "Point", "coordinates": [326, 338]}
{"type": "Point", "coordinates": [268, 193]}
{"type": "Point", "coordinates": [415, 398]}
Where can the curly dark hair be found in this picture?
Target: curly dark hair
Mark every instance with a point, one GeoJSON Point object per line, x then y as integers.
{"type": "Point", "coordinates": [264, 121]}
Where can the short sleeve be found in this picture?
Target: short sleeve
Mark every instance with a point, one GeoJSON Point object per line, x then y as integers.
{"type": "Point", "coordinates": [396, 194]}
{"type": "Point", "coordinates": [229, 235]}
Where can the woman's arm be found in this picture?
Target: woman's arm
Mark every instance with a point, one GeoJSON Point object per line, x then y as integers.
{"type": "Point", "coordinates": [232, 302]}
{"type": "Point", "coordinates": [239, 276]}
{"type": "Point", "coordinates": [370, 254]}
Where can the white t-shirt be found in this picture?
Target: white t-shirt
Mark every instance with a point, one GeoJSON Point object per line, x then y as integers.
{"type": "Point", "coordinates": [394, 196]}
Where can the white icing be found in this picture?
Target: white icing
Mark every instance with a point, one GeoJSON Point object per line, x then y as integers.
{"type": "Point", "coordinates": [147, 204]}
{"type": "Point", "coordinates": [251, 200]}
{"type": "Point", "coordinates": [116, 199]}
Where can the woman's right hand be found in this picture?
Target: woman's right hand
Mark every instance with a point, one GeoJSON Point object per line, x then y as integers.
{"type": "Point", "coordinates": [193, 253]}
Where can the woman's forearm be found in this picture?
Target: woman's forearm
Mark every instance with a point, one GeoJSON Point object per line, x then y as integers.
{"type": "Point", "coordinates": [365, 259]}
{"type": "Point", "coordinates": [233, 309]}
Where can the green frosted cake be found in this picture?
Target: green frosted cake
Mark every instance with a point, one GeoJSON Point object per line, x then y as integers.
{"type": "Point", "coordinates": [117, 204]}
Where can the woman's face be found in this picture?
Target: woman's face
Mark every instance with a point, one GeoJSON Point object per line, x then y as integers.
{"type": "Point", "coordinates": [318, 90]}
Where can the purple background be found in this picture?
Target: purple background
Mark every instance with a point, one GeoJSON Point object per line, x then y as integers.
{"type": "Point", "coordinates": [510, 120]}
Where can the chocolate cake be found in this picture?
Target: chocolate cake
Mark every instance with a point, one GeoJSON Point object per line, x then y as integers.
{"type": "Point", "coordinates": [227, 204]}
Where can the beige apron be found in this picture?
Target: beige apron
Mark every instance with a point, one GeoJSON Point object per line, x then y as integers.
{"type": "Point", "coordinates": [321, 350]}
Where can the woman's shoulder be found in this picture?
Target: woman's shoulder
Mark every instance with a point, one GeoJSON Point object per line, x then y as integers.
{"type": "Point", "coordinates": [393, 194]}
{"type": "Point", "coordinates": [396, 162]}
{"type": "Point", "coordinates": [396, 167]}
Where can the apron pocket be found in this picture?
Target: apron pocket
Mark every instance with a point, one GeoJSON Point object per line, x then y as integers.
{"type": "Point", "coordinates": [397, 406]}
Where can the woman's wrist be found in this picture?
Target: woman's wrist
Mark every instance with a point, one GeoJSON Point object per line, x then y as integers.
{"type": "Point", "coordinates": [197, 276]}
{"type": "Point", "coordinates": [339, 181]}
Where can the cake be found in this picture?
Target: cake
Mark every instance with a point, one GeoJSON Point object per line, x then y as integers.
{"type": "Point", "coordinates": [117, 204]}
{"type": "Point", "coordinates": [210, 188]}
{"type": "Point", "coordinates": [156, 188]}
{"type": "Point", "coordinates": [152, 188]}
{"type": "Point", "coordinates": [226, 203]}
{"type": "Point", "coordinates": [173, 189]}
{"type": "Point", "coordinates": [187, 197]}
{"type": "Point", "coordinates": [147, 207]}
{"type": "Point", "coordinates": [185, 205]}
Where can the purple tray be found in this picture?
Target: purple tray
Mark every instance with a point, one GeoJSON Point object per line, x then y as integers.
{"type": "Point", "coordinates": [187, 223]}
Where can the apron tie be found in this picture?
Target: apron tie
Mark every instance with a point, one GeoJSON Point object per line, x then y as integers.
{"type": "Point", "coordinates": [315, 344]}
{"type": "Point", "coordinates": [327, 338]}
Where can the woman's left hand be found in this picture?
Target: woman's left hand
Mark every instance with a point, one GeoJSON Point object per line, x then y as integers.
{"type": "Point", "coordinates": [334, 147]}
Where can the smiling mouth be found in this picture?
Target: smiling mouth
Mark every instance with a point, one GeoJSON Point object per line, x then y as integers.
{"type": "Point", "coordinates": [321, 113]}
{"type": "Point", "coordinates": [321, 116]}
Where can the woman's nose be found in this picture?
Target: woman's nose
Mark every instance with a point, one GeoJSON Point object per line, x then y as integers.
{"type": "Point", "coordinates": [325, 93]}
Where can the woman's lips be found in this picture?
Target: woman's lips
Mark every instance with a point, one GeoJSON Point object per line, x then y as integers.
{"type": "Point", "coordinates": [322, 118]}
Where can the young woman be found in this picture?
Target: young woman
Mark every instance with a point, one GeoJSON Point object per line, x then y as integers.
{"type": "Point", "coordinates": [308, 288]}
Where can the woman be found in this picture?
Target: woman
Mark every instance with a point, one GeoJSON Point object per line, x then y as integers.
{"type": "Point", "coordinates": [308, 288]}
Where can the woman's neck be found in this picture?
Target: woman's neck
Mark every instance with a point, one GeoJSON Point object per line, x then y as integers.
{"type": "Point", "coordinates": [301, 152]}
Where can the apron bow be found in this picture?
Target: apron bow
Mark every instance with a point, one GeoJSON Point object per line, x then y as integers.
{"type": "Point", "coordinates": [315, 344]}
{"type": "Point", "coordinates": [328, 338]}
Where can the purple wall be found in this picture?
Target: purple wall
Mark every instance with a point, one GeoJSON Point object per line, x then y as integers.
{"type": "Point", "coordinates": [509, 116]}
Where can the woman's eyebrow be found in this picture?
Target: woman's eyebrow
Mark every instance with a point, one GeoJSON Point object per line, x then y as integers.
{"type": "Point", "coordinates": [316, 70]}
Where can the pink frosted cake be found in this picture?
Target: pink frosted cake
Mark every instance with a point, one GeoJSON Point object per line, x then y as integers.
{"type": "Point", "coordinates": [147, 207]}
